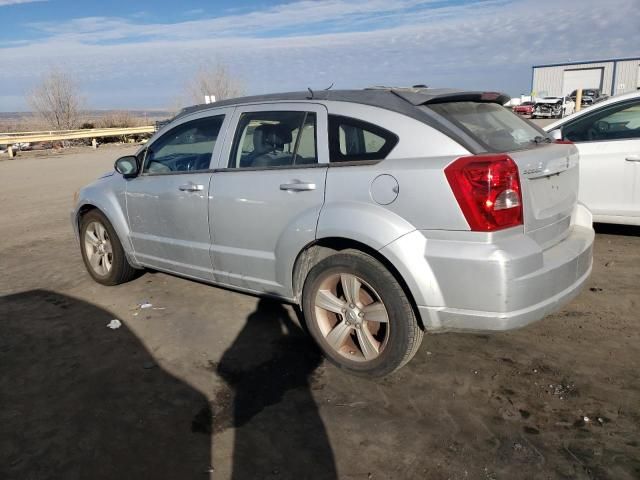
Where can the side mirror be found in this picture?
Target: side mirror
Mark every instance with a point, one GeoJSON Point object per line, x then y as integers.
{"type": "Point", "coordinates": [127, 166]}
{"type": "Point", "coordinates": [556, 134]}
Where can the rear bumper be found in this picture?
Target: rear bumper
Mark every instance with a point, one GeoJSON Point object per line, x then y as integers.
{"type": "Point", "coordinates": [503, 284]}
{"type": "Point", "coordinates": [448, 319]}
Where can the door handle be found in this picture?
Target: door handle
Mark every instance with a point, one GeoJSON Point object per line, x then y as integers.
{"type": "Point", "coordinates": [297, 186]}
{"type": "Point", "coordinates": [633, 158]}
{"type": "Point", "coordinates": [191, 187]}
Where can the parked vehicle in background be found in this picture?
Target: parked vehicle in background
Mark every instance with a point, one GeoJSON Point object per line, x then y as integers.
{"type": "Point", "coordinates": [525, 108]}
{"type": "Point", "coordinates": [382, 213]}
{"type": "Point", "coordinates": [553, 107]}
{"type": "Point", "coordinates": [607, 135]}
{"type": "Point", "coordinates": [22, 146]}
{"type": "Point", "coordinates": [589, 96]}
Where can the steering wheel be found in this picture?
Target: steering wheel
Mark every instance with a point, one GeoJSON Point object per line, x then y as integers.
{"type": "Point", "coordinates": [598, 130]}
{"type": "Point", "coordinates": [602, 126]}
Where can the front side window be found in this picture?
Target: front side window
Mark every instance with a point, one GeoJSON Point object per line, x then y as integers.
{"type": "Point", "coordinates": [274, 139]}
{"type": "Point", "coordinates": [617, 122]}
{"type": "Point", "coordinates": [185, 148]}
{"type": "Point", "coordinates": [351, 140]}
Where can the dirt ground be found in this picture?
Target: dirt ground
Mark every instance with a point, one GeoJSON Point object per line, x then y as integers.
{"type": "Point", "coordinates": [209, 383]}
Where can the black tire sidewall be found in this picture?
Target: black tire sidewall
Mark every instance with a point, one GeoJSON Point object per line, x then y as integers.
{"type": "Point", "coordinates": [401, 317]}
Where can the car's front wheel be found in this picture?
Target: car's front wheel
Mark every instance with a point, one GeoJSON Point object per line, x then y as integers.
{"type": "Point", "coordinates": [102, 251]}
{"type": "Point", "coordinates": [360, 315]}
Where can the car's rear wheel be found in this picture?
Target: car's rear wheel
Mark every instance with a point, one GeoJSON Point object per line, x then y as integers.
{"type": "Point", "coordinates": [360, 315]}
{"type": "Point", "coordinates": [102, 251]}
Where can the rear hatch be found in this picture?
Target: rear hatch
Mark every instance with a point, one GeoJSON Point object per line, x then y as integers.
{"type": "Point", "coordinates": [548, 171]}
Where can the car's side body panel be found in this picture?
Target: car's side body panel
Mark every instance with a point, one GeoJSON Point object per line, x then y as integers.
{"type": "Point", "coordinates": [364, 206]}
{"type": "Point", "coordinates": [168, 213]}
{"type": "Point", "coordinates": [169, 226]}
{"type": "Point", "coordinates": [609, 183]}
{"type": "Point", "coordinates": [257, 226]}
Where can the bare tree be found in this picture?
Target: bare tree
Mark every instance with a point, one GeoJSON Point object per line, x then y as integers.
{"type": "Point", "coordinates": [57, 100]}
{"type": "Point", "coordinates": [214, 79]}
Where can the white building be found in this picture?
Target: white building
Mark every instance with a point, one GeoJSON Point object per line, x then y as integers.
{"type": "Point", "coordinates": [612, 77]}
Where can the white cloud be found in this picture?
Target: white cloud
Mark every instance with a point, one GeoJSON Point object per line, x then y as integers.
{"type": "Point", "coordinates": [4, 3]}
{"type": "Point", "coordinates": [486, 45]}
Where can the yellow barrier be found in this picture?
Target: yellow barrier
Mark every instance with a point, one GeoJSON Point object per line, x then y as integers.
{"type": "Point", "coordinates": [50, 136]}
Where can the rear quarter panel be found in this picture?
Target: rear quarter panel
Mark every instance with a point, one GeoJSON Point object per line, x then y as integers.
{"type": "Point", "coordinates": [424, 199]}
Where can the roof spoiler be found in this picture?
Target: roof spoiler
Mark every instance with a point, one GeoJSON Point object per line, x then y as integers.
{"type": "Point", "coordinates": [426, 96]}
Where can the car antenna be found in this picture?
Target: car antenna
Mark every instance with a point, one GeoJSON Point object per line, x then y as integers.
{"type": "Point", "coordinates": [329, 87]}
{"type": "Point", "coordinates": [311, 92]}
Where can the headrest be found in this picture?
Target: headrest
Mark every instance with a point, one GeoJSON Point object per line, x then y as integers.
{"type": "Point", "coordinates": [269, 136]}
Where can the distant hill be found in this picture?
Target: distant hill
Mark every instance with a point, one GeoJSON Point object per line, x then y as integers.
{"type": "Point", "coordinates": [28, 121]}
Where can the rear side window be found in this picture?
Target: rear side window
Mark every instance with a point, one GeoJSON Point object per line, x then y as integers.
{"type": "Point", "coordinates": [490, 124]}
{"type": "Point", "coordinates": [351, 140]}
{"type": "Point", "coordinates": [274, 139]}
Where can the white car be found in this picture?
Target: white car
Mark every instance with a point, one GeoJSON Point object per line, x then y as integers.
{"type": "Point", "coordinates": [553, 107]}
{"type": "Point", "coordinates": [607, 136]}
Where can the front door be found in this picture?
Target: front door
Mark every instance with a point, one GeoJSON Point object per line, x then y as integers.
{"type": "Point", "coordinates": [266, 197]}
{"type": "Point", "coordinates": [167, 204]}
{"type": "Point", "coordinates": [609, 144]}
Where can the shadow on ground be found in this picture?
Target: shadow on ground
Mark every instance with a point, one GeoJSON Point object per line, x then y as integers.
{"type": "Point", "coordinates": [78, 400]}
{"type": "Point", "coordinates": [270, 370]}
{"type": "Point", "coordinates": [614, 229]}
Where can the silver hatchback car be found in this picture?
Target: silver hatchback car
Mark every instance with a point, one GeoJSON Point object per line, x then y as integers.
{"type": "Point", "coordinates": [383, 213]}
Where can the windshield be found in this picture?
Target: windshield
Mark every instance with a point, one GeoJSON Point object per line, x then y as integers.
{"type": "Point", "coordinates": [492, 125]}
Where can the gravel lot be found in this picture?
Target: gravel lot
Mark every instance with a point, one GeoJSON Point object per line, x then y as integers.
{"type": "Point", "coordinates": [209, 383]}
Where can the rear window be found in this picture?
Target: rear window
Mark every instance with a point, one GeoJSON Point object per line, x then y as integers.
{"type": "Point", "coordinates": [490, 124]}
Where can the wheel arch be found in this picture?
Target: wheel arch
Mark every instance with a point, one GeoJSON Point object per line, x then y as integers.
{"type": "Point", "coordinates": [321, 248]}
{"type": "Point", "coordinates": [116, 219]}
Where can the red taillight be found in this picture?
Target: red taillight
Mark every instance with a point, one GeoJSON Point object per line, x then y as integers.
{"type": "Point", "coordinates": [487, 188]}
{"type": "Point", "coordinates": [564, 142]}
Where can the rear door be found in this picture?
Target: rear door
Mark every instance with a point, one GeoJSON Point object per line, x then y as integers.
{"type": "Point", "coordinates": [167, 204]}
{"type": "Point", "coordinates": [267, 193]}
{"type": "Point", "coordinates": [608, 140]}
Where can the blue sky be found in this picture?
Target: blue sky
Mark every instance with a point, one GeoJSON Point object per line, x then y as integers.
{"type": "Point", "coordinates": [140, 54]}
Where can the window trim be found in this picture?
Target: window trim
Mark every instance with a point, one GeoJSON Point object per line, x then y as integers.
{"type": "Point", "coordinates": [336, 156]}
{"type": "Point", "coordinates": [624, 103]}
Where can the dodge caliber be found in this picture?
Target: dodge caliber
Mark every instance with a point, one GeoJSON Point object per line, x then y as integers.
{"type": "Point", "coordinates": [382, 213]}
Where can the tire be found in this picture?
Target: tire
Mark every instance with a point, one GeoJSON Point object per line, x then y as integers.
{"type": "Point", "coordinates": [361, 337]}
{"type": "Point", "coordinates": [97, 237]}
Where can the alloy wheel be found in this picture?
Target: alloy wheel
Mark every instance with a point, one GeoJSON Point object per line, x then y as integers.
{"type": "Point", "coordinates": [352, 317]}
{"type": "Point", "coordinates": [98, 248]}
